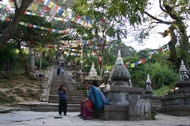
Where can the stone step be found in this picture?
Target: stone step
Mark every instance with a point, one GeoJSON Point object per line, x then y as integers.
{"type": "Point", "coordinates": [74, 95]}
{"type": "Point", "coordinates": [50, 107]}
{"type": "Point", "coordinates": [77, 93]}
{"type": "Point", "coordinates": [70, 94]}
{"type": "Point", "coordinates": [70, 98]}
{"type": "Point", "coordinates": [70, 108]}
{"type": "Point", "coordinates": [69, 101]}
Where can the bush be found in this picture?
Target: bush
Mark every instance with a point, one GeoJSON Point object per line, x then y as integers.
{"type": "Point", "coordinates": [163, 90]}
{"type": "Point", "coordinates": [45, 63]}
{"type": "Point", "coordinates": [163, 75]}
{"type": "Point", "coordinates": [160, 75]}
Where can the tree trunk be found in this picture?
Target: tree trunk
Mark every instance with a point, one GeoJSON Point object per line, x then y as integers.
{"type": "Point", "coordinates": [26, 66]}
{"type": "Point", "coordinates": [172, 48]}
{"type": "Point", "coordinates": [183, 42]}
{"type": "Point", "coordinates": [19, 12]}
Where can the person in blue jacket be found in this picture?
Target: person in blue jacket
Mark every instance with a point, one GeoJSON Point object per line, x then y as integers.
{"type": "Point", "coordinates": [62, 100]}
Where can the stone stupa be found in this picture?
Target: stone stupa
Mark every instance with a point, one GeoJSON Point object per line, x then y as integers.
{"type": "Point", "coordinates": [92, 74]}
{"type": "Point", "coordinates": [126, 101]}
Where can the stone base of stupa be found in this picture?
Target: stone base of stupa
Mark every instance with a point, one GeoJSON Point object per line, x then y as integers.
{"type": "Point", "coordinates": [177, 102]}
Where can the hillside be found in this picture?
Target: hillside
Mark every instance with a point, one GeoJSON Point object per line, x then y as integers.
{"type": "Point", "coordinates": [18, 88]}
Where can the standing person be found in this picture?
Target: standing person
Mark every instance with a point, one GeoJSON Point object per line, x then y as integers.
{"type": "Point", "coordinates": [58, 71]}
{"type": "Point", "coordinates": [95, 101]}
{"type": "Point", "coordinates": [62, 100]}
{"type": "Point", "coordinates": [62, 71]}
{"type": "Point", "coordinates": [60, 63]}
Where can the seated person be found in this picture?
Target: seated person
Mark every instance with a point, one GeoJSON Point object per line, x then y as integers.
{"type": "Point", "coordinates": [95, 83]}
{"type": "Point", "coordinates": [95, 101]}
{"type": "Point", "coordinates": [105, 87]}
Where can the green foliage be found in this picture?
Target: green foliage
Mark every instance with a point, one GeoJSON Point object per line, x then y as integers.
{"type": "Point", "coordinates": [161, 91]}
{"type": "Point", "coordinates": [45, 63]}
{"type": "Point", "coordinates": [160, 75]}
{"type": "Point", "coordinates": [9, 58]}
{"type": "Point", "coordinates": [163, 75]}
{"type": "Point", "coordinates": [125, 50]}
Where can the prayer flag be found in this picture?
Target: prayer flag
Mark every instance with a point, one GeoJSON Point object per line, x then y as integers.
{"type": "Point", "coordinates": [132, 65]}
{"type": "Point", "coordinates": [53, 12]}
{"type": "Point", "coordinates": [34, 6]}
{"type": "Point", "coordinates": [51, 4]}
{"type": "Point", "coordinates": [47, 9]}
{"type": "Point", "coordinates": [46, 2]}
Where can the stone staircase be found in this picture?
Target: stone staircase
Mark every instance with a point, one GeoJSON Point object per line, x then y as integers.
{"type": "Point", "coordinates": [74, 94]}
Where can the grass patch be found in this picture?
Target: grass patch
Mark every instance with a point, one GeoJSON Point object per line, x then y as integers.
{"type": "Point", "coordinates": [163, 90]}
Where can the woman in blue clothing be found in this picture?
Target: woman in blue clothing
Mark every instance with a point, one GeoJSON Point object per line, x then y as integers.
{"type": "Point", "coordinates": [95, 101]}
{"type": "Point", "coordinates": [62, 100]}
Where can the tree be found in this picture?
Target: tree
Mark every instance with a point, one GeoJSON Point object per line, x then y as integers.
{"type": "Point", "coordinates": [177, 11]}
{"type": "Point", "coordinates": [35, 40]}
{"type": "Point", "coordinates": [134, 13]}
{"type": "Point", "coordinates": [19, 12]}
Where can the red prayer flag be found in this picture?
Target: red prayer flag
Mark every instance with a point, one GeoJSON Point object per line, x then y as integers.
{"type": "Point", "coordinates": [7, 19]}
{"type": "Point", "coordinates": [143, 60]}
{"type": "Point", "coordinates": [49, 29]}
{"type": "Point", "coordinates": [30, 25]}
{"type": "Point", "coordinates": [160, 49]}
{"type": "Point", "coordinates": [47, 9]}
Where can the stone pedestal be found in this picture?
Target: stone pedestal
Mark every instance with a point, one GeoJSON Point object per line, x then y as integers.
{"type": "Point", "coordinates": [115, 112]}
{"type": "Point", "coordinates": [126, 104]}
{"type": "Point", "coordinates": [177, 102]}
{"type": "Point", "coordinates": [155, 103]}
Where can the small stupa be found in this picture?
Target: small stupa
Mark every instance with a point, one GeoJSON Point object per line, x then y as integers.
{"type": "Point", "coordinates": [148, 85]}
{"type": "Point", "coordinates": [148, 94]}
{"type": "Point", "coordinates": [93, 74]}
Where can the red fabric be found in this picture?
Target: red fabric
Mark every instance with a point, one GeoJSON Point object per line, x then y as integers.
{"type": "Point", "coordinates": [30, 25]}
{"type": "Point", "coordinates": [144, 60]}
{"type": "Point", "coordinates": [47, 9]}
{"type": "Point", "coordinates": [89, 104]}
{"type": "Point", "coordinates": [160, 49]}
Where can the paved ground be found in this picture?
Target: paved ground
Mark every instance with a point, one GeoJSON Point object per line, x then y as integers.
{"type": "Point", "coordinates": [29, 118]}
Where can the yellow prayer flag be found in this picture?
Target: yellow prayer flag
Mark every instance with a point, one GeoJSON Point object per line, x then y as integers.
{"type": "Point", "coordinates": [22, 23]}
{"type": "Point", "coordinates": [132, 65]}
{"type": "Point", "coordinates": [34, 6]}
{"type": "Point", "coordinates": [51, 4]}
{"type": "Point", "coordinates": [42, 28]}
{"type": "Point", "coordinates": [150, 57]}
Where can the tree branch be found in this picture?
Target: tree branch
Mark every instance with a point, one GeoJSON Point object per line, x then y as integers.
{"type": "Point", "coordinates": [160, 5]}
{"type": "Point", "coordinates": [19, 12]}
{"type": "Point", "coordinates": [159, 20]}
{"type": "Point", "coordinates": [15, 3]}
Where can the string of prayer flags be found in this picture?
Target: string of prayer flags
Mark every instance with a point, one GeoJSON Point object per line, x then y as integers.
{"type": "Point", "coordinates": [65, 32]}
